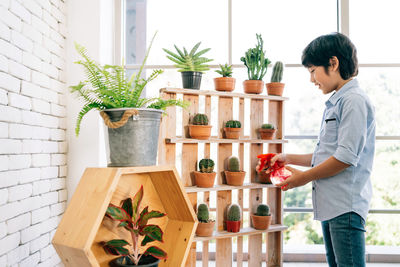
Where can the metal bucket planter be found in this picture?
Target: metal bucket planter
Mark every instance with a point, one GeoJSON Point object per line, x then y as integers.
{"type": "Point", "coordinates": [135, 143]}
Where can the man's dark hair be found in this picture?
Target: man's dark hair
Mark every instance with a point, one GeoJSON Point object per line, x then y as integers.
{"type": "Point", "coordinates": [323, 48]}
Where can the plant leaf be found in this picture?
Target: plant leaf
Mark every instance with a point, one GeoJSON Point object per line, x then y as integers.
{"type": "Point", "coordinates": [146, 240]}
{"type": "Point", "coordinates": [117, 213]}
{"type": "Point", "coordinates": [116, 247]}
{"type": "Point", "coordinates": [153, 231]}
{"type": "Point", "coordinates": [127, 206]}
{"type": "Point", "coordinates": [156, 252]}
{"type": "Point", "coordinates": [152, 214]}
{"type": "Point", "coordinates": [136, 203]}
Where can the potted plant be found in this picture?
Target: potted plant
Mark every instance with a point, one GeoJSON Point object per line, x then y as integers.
{"type": "Point", "coordinates": [132, 218]}
{"type": "Point", "coordinates": [275, 87]}
{"type": "Point", "coordinates": [256, 63]}
{"type": "Point", "coordinates": [132, 141]}
{"type": "Point", "coordinates": [191, 64]}
{"type": "Point", "coordinates": [267, 131]}
{"type": "Point", "coordinates": [262, 218]}
{"type": "Point", "coordinates": [234, 216]}
{"type": "Point", "coordinates": [232, 129]}
{"type": "Point", "coordinates": [234, 176]}
{"type": "Point", "coordinates": [199, 128]}
{"type": "Point", "coordinates": [205, 177]}
{"type": "Point", "coordinates": [226, 82]}
{"type": "Point", "coordinates": [206, 225]}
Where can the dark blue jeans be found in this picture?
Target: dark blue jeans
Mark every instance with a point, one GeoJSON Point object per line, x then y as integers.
{"type": "Point", "coordinates": [344, 238]}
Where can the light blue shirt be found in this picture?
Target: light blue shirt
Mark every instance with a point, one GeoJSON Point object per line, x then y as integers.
{"type": "Point", "coordinates": [348, 134]}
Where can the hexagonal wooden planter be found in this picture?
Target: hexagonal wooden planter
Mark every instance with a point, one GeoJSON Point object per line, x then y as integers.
{"type": "Point", "coordinates": [83, 225]}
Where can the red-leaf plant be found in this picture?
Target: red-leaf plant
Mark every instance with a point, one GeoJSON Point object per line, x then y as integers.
{"type": "Point", "coordinates": [136, 223]}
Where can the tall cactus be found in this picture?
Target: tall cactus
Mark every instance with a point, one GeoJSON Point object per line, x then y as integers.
{"type": "Point", "coordinates": [256, 61]}
{"type": "Point", "coordinates": [277, 72]}
{"type": "Point", "coordinates": [234, 212]}
{"type": "Point", "coordinates": [233, 124]}
{"type": "Point", "coordinates": [206, 165]}
{"type": "Point", "coordinates": [233, 164]}
{"type": "Point", "coordinates": [263, 210]}
{"type": "Point", "coordinates": [202, 213]}
{"type": "Point", "coordinates": [200, 119]}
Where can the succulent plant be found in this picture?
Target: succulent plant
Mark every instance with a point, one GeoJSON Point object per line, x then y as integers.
{"type": "Point", "coordinates": [189, 61]}
{"type": "Point", "coordinates": [255, 60]}
{"type": "Point", "coordinates": [263, 210]}
{"type": "Point", "coordinates": [267, 126]}
{"type": "Point", "coordinates": [233, 164]}
{"type": "Point", "coordinates": [202, 213]}
{"type": "Point", "coordinates": [206, 165]}
{"type": "Point", "coordinates": [277, 72]}
{"type": "Point", "coordinates": [200, 119]}
{"type": "Point", "coordinates": [233, 124]}
{"type": "Point", "coordinates": [225, 71]}
{"type": "Point", "coordinates": [234, 212]}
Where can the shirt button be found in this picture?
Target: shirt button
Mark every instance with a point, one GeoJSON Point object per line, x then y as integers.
{"type": "Point", "coordinates": [313, 188]}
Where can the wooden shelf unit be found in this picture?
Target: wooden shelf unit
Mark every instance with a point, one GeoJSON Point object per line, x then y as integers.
{"type": "Point", "coordinates": [189, 160]}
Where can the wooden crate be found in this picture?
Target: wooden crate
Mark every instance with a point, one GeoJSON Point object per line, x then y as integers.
{"type": "Point", "coordinates": [168, 154]}
{"type": "Point", "coordinates": [83, 224]}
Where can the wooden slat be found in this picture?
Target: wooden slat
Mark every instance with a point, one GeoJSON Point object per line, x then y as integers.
{"type": "Point", "coordinates": [239, 252]}
{"type": "Point", "coordinates": [224, 187]}
{"type": "Point", "coordinates": [221, 94]}
{"type": "Point", "coordinates": [222, 141]}
{"type": "Point", "coordinates": [167, 151]}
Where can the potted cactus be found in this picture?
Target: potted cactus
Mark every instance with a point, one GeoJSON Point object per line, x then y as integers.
{"type": "Point", "coordinates": [135, 220]}
{"type": "Point", "coordinates": [191, 64]}
{"type": "Point", "coordinates": [262, 218]}
{"type": "Point", "coordinates": [234, 216]}
{"type": "Point", "coordinates": [206, 225]}
{"type": "Point", "coordinates": [226, 82]}
{"type": "Point", "coordinates": [205, 177]}
{"type": "Point", "coordinates": [267, 131]}
{"type": "Point", "coordinates": [275, 87]}
{"type": "Point", "coordinates": [199, 128]}
{"type": "Point", "coordinates": [234, 176]}
{"type": "Point", "coordinates": [256, 63]}
{"type": "Point", "coordinates": [232, 129]}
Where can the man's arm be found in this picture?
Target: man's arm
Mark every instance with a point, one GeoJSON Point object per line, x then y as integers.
{"type": "Point", "coordinates": [299, 160]}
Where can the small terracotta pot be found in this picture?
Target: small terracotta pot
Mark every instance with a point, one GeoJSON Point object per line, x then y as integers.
{"type": "Point", "coordinates": [275, 88]}
{"type": "Point", "coordinates": [235, 178]}
{"type": "Point", "coordinates": [204, 179]}
{"type": "Point", "coordinates": [264, 177]}
{"type": "Point", "coordinates": [253, 86]}
{"type": "Point", "coordinates": [202, 132]}
{"type": "Point", "coordinates": [224, 84]}
{"type": "Point", "coordinates": [232, 133]}
{"type": "Point", "coordinates": [205, 229]}
{"type": "Point", "coordinates": [233, 226]}
{"type": "Point", "coordinates": [267, 134]}
{"type": "Point", "coordinates": [261, 222]}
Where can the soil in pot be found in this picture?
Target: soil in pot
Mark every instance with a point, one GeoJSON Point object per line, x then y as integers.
{"type": "Point", "coordinates": [253, 86]}
{"type": "Point", "coordinates": [267, 134]}
{"type": "Point", "coordinates": [232, 133]}
{"type": "Point", "coordinates": [205, 229]}
{"type": "Point", "coordinates": [226, 84]}
{"type": "Point", "coordinates": [202, 132]}
{"type": "Point", "coordinates": [233, 226]}
{"type": "Point", "coordinates": [261, 222]}
{"type": "Point", "coordinates": [275, 88]}
{"type": "Point", "coordinates": [145, 261]}
{"type": "Point", "coordinates": [204, 179]}
{"type": "Point", "coordinates": [235, 178]}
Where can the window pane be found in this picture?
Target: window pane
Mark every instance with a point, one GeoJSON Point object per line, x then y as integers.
{"type": "Point", "coordinates": [287, 26]}
{"type": "Point", "coordinates": [370, 24]}
{"type": "Point", "coordinates": [383, 88]}
{"type": "Point", "coordinates": [185, 23]}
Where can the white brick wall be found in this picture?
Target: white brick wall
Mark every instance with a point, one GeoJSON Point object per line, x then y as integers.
{"type": "Point", "coordinates": [33, 143]}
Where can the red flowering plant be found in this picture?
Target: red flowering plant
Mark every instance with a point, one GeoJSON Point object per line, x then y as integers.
{"type": "Point", "coordinates": [135, 221]}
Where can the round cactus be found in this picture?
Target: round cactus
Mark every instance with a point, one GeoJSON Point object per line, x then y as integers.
{"type": "Point", "coordinates": [233, 164]}
{"type": "Point", "coordinates": [206, 165]}
{"type": "Point", "coordinates": [277, 72]}
{"type": "Point", "coordinates": [233, 124]}
{"type": "Point", "coordinates": [267, 126]}
{"type": "Point", "coordinates": [234, 212]}
{"type": "Point", "coordinates": [200, 119]}
{"type": "Point", "coordinates": [202, 213]}
{"type": "Point", "coordinates": [263, 210]}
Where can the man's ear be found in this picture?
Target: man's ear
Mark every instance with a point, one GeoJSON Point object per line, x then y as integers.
{"type": "Point", "coordinates": [334, 63]}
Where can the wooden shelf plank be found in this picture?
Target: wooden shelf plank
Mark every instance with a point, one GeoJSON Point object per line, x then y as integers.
{"type": "Point", "coordinates": [243, 232]}
{"type": "Point", "coordinates": [223, 94]}
{"type": "Point", "coordinates": [192, 189]}
{"type": "Point", "coordinates": [223, 141]}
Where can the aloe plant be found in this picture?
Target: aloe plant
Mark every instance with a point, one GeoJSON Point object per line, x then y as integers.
{"type": "Point", "coordinates": [108, 87]}
{"type": "Point", "coordinates": [225, 70]}
{"type": "Point", "coordinates": [135, 220]}
{"type": "Point", "coordinates": [256, 61]}
{"type": "Point", "coordinates": [191, 61]}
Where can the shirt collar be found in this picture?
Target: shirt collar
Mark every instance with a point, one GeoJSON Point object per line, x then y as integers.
{"type": "Point", "coordinates": [337, 95]}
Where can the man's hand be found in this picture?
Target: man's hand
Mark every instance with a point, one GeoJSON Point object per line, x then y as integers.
{"type": "Point", "coordinates": [279, 158]}
{"type": "Point", "coordinates": [295, 180]}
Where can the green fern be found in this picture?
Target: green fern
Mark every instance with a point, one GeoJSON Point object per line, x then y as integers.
{"type": "Point", "coordinates": [108, 87]}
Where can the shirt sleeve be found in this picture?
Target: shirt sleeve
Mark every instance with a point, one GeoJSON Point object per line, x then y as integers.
{"type": "Point", "coordinates": [352, 129]}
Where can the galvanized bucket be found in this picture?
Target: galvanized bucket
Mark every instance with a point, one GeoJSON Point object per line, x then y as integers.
{"type": "Point", "coordinates": [136, 142]}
